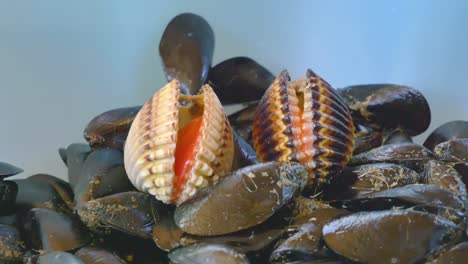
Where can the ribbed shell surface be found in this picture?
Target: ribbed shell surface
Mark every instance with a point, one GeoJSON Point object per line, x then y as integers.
{"type": "Point", "coordinates": [304, 121]}
{"type": "Point", "coordinates": [149, 151]}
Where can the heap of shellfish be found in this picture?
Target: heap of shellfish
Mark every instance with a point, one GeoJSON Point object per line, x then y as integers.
{"type": "Point", "coordinates": [304, 173]}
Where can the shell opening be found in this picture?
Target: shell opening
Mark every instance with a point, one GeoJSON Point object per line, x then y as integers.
{"type": "Point", "coordinates": [188, 135]}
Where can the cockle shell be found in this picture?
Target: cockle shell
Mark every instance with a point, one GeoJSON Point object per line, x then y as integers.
{"type": "Point", "coordinates": [304, 121]}
{"type": "Point", "coordinates": [150, 149]}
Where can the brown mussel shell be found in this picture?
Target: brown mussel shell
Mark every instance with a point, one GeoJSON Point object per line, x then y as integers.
{"type": "Point", "coordinates": [7, 170]}
{"type": "Point", "coordinates": [396, 136]}
{"type": "Point", "coordinates": [304, 121]}
{"type": "Point", "coordinates": [445, 132]}
{"type": "Point", "coordinates": [242, 199]}
{"type": "Point", "coordinates": [76, 155]}
{"type": "Point", "coordinates": [56, 257]}
{"type": "Point", "coordinates": [8, 194]}
{"type": "Point", "coordinates": [239, 80]}
{"type": "Point", "coordinates": [95, 255]}
{"type": "Point", "coordinates": [102, 173]}
{"type": "Point", "coordinates": [388, 106]}
{"type": "Point", "coordinates": [389, 236]}
{"type": "Point", "coordinates": [410, 155]}
{"type": "Point", "coordinates": [444, 176]}
{"type": "Point", "coordinates": [367, 140]}
{"type": "Point", "coordinates": [207, 254]}
{"type": "Point", "coordinates": [52, 231]}
{"type": "Point", "coordinates": [454, 150]}
{"type": "Point", "coordinates": [456, 254]}
{"type": "Point", "coordinates": [12, 248]}
{"type": "Point", "coordinates": [110, 129]}
{"type": "Point", "coordinates": [128, 212]}
{"type": "Point", "coordinates": [186, 51]}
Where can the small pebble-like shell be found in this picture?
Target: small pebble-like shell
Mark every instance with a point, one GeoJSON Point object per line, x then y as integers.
{"type": "Point", "coordinates": [304, 121]}
{"type": "Point", "coordinates": [149, 153]}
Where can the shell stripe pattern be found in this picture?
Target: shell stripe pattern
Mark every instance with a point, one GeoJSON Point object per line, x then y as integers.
{"type": "Point", "coordinates": [304, 121]}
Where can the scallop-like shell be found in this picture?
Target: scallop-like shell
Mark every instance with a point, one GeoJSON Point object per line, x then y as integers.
{"type": "Point", "coordinates": [304, 121]}
{"type": "Point", "coordinates": [149, 153]}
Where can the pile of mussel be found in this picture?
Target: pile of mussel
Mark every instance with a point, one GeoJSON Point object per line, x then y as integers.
{"type": "Point", "coordinates": [303, 173]}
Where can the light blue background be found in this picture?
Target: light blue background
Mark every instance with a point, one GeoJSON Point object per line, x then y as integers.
{"type": "Point", "coordinates": [62, 64]}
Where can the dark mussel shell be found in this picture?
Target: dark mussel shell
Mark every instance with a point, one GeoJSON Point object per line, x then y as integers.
{"type": "Point", "coordinates": [388, 106]}
{"type": "Point", "coordinates": [103, 173]}
{"type": "Point", "coordinates": [456, 254]}
{"type": "Point", "coordinates": [52, 231]}
{"type": "Point", "coordinates": [8, 193]}
{"type": "Point", "coordinates": [389, 236]}
{"type": "Point", "coordinates": [204, 253]}
{"type": "Point", "coordinates": [306, 240]}
{"type": "Point", "coordinates": [44, 191]}
{"type": "Point", "coordinates": [128, 212]}
{"type": "Point", "coordinates": [382, 176]}
{"type": "Point", "coordinates": [411, 155]}
{"type": "Point", "coordinates": [186, 51]}
{"type": "Point", "coordinates": [444, 176]}
{"type": "Point", "coordinates": [166, 234]}
{"type": "Point", "coordinates": [242, 199]}
{"type": "Point", "coordinates": [76, 155]}
{"type": "Point", "coordinates": [367, 140]}
{"type": "Point", "coordinates": [242, 120]}
{"type": "Point", "coordinates": [11, 246]}
{"type": "Point", "coordinates": [396, 136]}
{"type": "Point", "coordinates": [407, 196]}
{"type": "Point", "coordinates": [9, 219]}
{"type": "Point", "coordinates": [455, 216]}
{"type": "Point", "coordinates": [56, 257]}
{"type": "Point", "coordinates": [454, 150]}
{"type": "Point", "coordinates": [448, 131]}
{"type": "Point", "coordinates": [110, 129]}
{"type": "Point", "coordinates": [244, 154]}
{"type": "Point", "coordinates": [7, 170]}
{"type": "Point", "coordinates": [239, 80]}
{"type": "Point", "coordinates": [95, 255]}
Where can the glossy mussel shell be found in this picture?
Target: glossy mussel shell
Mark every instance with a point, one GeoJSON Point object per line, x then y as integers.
{"type": "Point", "coordinates": [186, 51]}
{"type": "Point", "coordinates": [149, 153]}
{"type": "Point", "coordinates": [7, 170]}
{"type": "Point", "coordinates": [304, 121]}
{"type": "Point", "coordinates": [447, 131]}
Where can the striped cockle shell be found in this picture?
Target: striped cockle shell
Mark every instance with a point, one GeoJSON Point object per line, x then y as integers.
{"type": "Point", "coordinates": [304, 121]}
{"type": "Point", "coordinates": [152, 144]}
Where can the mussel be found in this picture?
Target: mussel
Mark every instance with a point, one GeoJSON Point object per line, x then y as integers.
{"type": "Point", "coordinates": [178, 144]}
{"type": "Point", "coordinates": [447, 131]}
{"type": "Point", "coordinates": [11, 246]}
{"type": "Point", "coordinates": [7, 170]}
{"type": "Point", "coordinates": [304, 121]}
{"type": "Point", "coordinates": [454, 150]}
{"type": "Point", "coordinates": [56, 257]}
{"type": "Point", "coordinates": [186, 51]}
{"type": "Point", "coordinates": [203, 253]}
{"type": "Point", "coordinates": [95, 255]}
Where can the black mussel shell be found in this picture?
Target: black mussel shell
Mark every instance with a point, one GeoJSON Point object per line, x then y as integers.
{"type": "Point", "coordinates": [110, 129]}
{"type": "Point", "coordinates": [455, 216]}
{"type": "Point", "coordinates": [367, 140]}
{"type": "Point", "coordinates": [396, 136]}
{"type": "Point", "coordinates": [448, 131]}
{"type": "Point", "coordinates": [462, 169]}
{"type": "Point", "coordinates": [63, 155]}
{"type": "Point", "coordinates": [389, 236]}
{"type": "Point", "coordinates": [410, 155]}
{"type": "Point", "coordinates": [407, 196]}
{"type": "Point", "coordinates": [204, 253]}
{"type": "Point", "coordinates": [243, 117]}
{"type": "Point", "coordinates": [244, 153]}
{"type": "Point", "coordinates": [239, 80]}
{"type": "Point", "coordinates": [186, 51]}
{"type": "Point", "coordinates": [56, 257]}
{"type": "Point", "coordinates": [8, 193]}
{"type": "Point", "coordinates": [95, 255]}
{"type": "Point", "coordinates": [128, 212]}
{"type": "Point", "coordinates": [52, 231]}
{"type": "Point", "coordinates": [7, 170]}
{"type": "Point", "coordinates": [388, 106]}
{"type": "Point", "coordinates": [44, 191]}
{"type": "Point", "coordinates": [166, 234]}
{"type": "Point", "coordinates": [454, 255]}
{"type": "Point", "coordinates": [76, 154]}
{"type": "Point", "coordinates": [444, 176]}
{"type": "Point", "coordinates": [382, 176]}
{"type": "Point", "coordinates": [9, 220]}
{"type": "Point", "coordinates": [103, 173]}
{"type": "Point", "coordinates": [454, 150]}
{"type": "Point", "coordinates": [11, 246]}
{"type": "Point", "coordinates": [242, 199]}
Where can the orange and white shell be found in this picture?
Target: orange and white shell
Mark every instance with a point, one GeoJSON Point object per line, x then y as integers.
{"type": "Point", "coordinates": [150, 149]}
{"type": "Point", "coordinates": [305, 121]}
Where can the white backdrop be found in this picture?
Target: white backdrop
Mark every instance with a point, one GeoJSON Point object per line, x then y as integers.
{"type": "Point", "coordinates": [62, 64]}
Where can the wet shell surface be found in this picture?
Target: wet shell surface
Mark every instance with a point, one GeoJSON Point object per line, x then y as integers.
{"type": "Point", "coordinates": [305, 121]}
{"type": "Point", "coordinates": [178, 144]}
